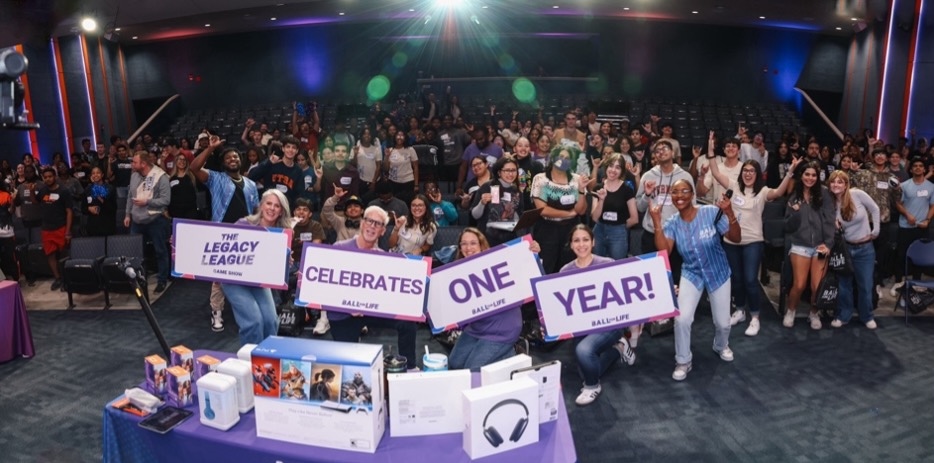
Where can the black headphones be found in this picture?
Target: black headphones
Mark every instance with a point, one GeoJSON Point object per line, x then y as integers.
{"type": "Point", "coordinates": [492, 435]}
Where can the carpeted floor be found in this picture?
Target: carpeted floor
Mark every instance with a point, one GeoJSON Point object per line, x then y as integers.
{"type": "Point", "coordinates": [791, 395]}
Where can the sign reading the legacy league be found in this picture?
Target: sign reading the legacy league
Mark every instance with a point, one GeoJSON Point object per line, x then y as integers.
{"type": "Point", "coordinates": [229, 253]}
{"type": "Point", "coordinates": [604, 297]}
{"type": "Point", "coordinates": [482, 285]}
{"type": "Point", "coordinates": [380, 284]}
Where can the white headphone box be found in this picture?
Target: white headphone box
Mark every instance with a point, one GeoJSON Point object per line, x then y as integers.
{"type": "Point", "coordinates": [500, 417]}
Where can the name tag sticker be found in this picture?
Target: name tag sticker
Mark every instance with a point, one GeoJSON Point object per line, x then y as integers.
{"type": "Point", "coordinates": [305, 236]}
{"type": "Point", "coordinates": [54, 197]}
{"type": "Point", "coordinates": [282, 188]}
{"type": "Point", "coordinates": [922, 193]}
{"type": "Point", "coordinates": [739, 200]}
{"type": "Point", "coordinates": [610, 216]}
{"type": "Point", "coordinates": [173, 183]}
{"type": "Point", "coordinates": [882, 185]}
{"type": "Point", "coordinates": [345, 180]}
{"type": "Point", "coordinates": [90, 200]}
{"type": "Point", "coordinates": [568, 199]}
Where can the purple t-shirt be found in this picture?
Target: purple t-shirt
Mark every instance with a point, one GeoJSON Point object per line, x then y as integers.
{"type": "Point", "coordinates": [597, 260]}
{"type": "Point", "coordinates": [350, 243]}
{"type": "Point", "coordinates": [502, 327]}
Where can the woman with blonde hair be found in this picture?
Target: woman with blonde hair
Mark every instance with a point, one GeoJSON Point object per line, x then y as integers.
{"type": "Point", "coordinates": [253, 307]}
{"type": "Point", "coordinates": [854, 209]}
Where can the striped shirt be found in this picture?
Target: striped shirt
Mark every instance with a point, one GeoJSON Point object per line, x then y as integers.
{"type": "Point", "coordinates": [705, 263]}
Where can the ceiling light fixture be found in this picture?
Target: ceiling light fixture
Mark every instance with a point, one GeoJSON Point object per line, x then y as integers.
{"type": "Point", "coordinates": [626, 8]}
{"type": "Point", "coordinates": [207, 25]}
{"type": "Point", "coordinates": [341, 13]}
{"type": "Point", "coordinates": [411, 9]}
{"type": "Point", "coordinates": [135, 37]}
{"type": "Point", "coordinates": [484, 7]}
{"type": "Point", "coordinates": [272, 19]}
{"type": "Point", "coordinates": [839, 28]}
{"type": "Point", "coordinates": [761, 17]}
{"type": "Point", "coordinates": [694, 12]}
{"type": "Point", "coordinates": [89, 24]}
{"type": "Point", "coordinates": [117, 29]}
{"type": "Point", "coordinates": [854, 19]}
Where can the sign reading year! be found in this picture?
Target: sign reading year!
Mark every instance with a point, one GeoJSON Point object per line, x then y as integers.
{"type": "Point", "coordinates": [231, 253]}
{"type": "Point", "coordinates": [378, 284]}
{"type": "Point", "coordinates": [482, 285]}
{"type": "Point", "coordinates": [605, 297]}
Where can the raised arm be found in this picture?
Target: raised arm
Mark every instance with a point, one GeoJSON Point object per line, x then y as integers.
{"type": "Point", "coordinates": [720, 177]}
{"type": "Point", "coordinates": [197, 165]}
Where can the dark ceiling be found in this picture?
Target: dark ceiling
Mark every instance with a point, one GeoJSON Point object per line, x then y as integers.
{"type": "Point", "coordinates": [148, 20]}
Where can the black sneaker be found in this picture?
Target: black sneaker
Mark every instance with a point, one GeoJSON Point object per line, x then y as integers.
{"type": "Point", "coordinates": [160, 287]}
{"type": "Point", "coordinates": [57, 285]}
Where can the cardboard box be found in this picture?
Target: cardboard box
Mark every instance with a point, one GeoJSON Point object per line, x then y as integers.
{"type": "Point", "coordinates": [321, 393]}
{"type": "Point", "coordinates": [155, 374]}
{"type": "Point", "coordinates": [217, 401]}
{"type": "Point", "coordinates": [180, 394]}
{"type": "Point", "coordinates": [427, 403]}
{"type": "Point", "coordinates": [182, 357]}
{"type": "Point", "coordinates": [242, 372]}
{"type": "Point", "coordinates": [204, 365]}
{"type": "Point", "coordinates": [500, 417]}
{"type": "Point", "coordinates": [501, 371]}
{"type": "Point", "coordinates": [548, 377]}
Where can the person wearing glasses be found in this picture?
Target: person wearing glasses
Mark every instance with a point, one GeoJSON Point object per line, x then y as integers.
{"type": "Point", "coordinates": [346, 327]}
{"type": "Point", "coordinates": [498, 201]}
{"type": "Point", "coordinates": [489, 339]}
{"type": "Point", "coordinates": [696, 230]}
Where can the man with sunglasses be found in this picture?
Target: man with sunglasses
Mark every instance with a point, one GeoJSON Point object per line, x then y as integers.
{"type": "Point", "coordinates": [346, 327]}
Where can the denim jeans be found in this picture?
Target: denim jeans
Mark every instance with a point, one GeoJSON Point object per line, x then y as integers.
{"type": "Point", "coordinates": [611, 240]}
{"type": "Point", "coordinates": [472, 353]}
{"type": "Point", "coordinates": [864, 260]}
{"type": "Point", "coordinates": [156, 231]}
{"type": "Point", "coordinates": [596, 354]}
{"type": "Point", "coordinates": [348, 330]}
{"type": "Point", "coordinates": [744, 265]}
{"type": "Point", "coordinates": [253, 310]}
{"type": "Point", "coordinates": [688, 297]}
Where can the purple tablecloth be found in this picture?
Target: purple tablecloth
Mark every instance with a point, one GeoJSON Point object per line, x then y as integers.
{"type": "Point", "coordinates": [124, 441]}
{"type": "Point", "coordinates": [15, 334]}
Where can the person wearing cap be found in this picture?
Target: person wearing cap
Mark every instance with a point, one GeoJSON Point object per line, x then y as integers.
{"type": "Point", "coordinates": [233, 196]}
{"type": "Point", "coordinates": [346, 228]}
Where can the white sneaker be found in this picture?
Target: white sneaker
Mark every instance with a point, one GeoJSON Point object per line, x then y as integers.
{"type": "Point", "coordinates": [681, 371]}
{"type": "Point", "coordinates": [588, 395]}
{"type": "Point", "coordinates": [895, 287]}
{"type": "Point", "coordinates": [322, 327]}
{"type": "Point", "coordinates": [871, 324]}
{"type": "Point", "coordinates": [726, 354]}
{"type": "Point", "coordinates": [789, 320]}
{"type": "Point", "coordinates": [753, 328]}
{"type": "Point", "coordinates": [217, 321]}
{"type": "Point", "coordinates": [625, 352]}
{"type": "Point", "coordinates": [737, 317]}
{"type": "Point", "coordinates": [836, 323]}
{"type": "Point", "coordinates": [815, 321]}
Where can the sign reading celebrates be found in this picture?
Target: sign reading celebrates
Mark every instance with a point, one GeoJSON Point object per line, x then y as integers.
{"type": "Point", "coordinates": [604, 297]}
{"type": "Point", "coordinates": [370, 283]}
{"type": "Point", "coordinates": [482, 285]}
{"type": "Point", "coordinates": [229, 253]}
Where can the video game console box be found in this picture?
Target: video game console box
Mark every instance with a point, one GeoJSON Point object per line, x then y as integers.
{"type": "Point", "coordinates": [321, 393]}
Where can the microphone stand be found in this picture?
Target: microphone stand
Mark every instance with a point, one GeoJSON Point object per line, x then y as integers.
{"type": "Point", "coordinates": [133, 277]}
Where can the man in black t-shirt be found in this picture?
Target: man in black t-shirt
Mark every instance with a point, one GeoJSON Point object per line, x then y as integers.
{"type": "Point", "coordinates": [56, 221]}
{"type": "Point", "coordinates": [121, 170]}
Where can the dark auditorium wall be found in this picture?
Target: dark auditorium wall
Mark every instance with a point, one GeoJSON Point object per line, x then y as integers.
{"type": "Point", "coordinates": [629, 59]}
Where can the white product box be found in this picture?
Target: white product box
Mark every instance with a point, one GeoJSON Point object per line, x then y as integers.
{"type": "Point", "coordinates": [217, 401]}
{"type": "Point", "coordinates": [321, 393]}
{"type": "Point", "coordinates": [548, 377]}
{"type": "Point", "coordinates": [500, 417]}
{"type": "Point", "coordinates": [245, 351]}
{"type": "Point", "coordinates": [428, 403]}
{"type": "Point", "coordinates": [500, 371]}
{"type": "Point", "coordinates": [240, 370]}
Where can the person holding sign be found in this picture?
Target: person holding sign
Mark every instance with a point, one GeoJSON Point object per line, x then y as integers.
{"type": "Point", "coordinates": [346, 327]}
{"type": "Point", "coordinates": [696, 230]}
{"type": "Point", "coordinates": [489, 339]}
{"type": "Point", "coordinates": [253, 307]}
{"type": "Point", "coordinates": [597, 352]}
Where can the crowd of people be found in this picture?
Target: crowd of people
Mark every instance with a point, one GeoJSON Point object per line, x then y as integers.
{"type": "Point", "coordinates": [391, 186]}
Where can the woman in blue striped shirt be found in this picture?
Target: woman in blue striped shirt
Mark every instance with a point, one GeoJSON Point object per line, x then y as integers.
{"type": "Point", "coordinates": [697, 230]}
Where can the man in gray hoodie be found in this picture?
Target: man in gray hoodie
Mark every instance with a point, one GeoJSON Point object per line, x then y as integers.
{"type": "Point", "coordinates": [148, 197]}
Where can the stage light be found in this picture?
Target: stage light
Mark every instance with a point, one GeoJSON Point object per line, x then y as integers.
{"type": "Point", "coordinates": [89, 24]}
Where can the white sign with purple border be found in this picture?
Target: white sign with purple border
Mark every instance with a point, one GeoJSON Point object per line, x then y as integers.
{"type": "Point", "coordinates": [229, 253]}
{"type": "Point", "coordinates": [476, 287]}
{"type": "Point", "coordinates": [379, 284]}
{"type": "Point", "coordinates": [605, 297]}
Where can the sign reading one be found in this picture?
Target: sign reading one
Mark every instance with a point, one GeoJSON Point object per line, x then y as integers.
{"type": "Point", "coordinates": [482, 285]}
{"type": "Point", "coordinates": [604, 297]}
{"type": "Point", "coordinates": [371, 283]}
{"type": "Point", "coordinates": [229, 253]}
